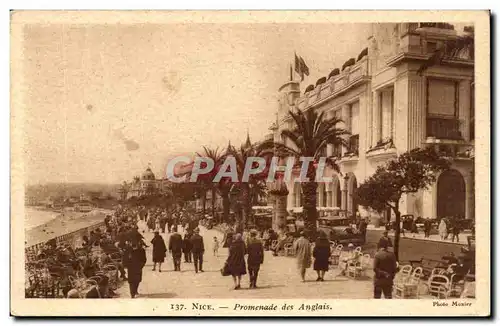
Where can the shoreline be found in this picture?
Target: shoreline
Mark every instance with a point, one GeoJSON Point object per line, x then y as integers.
{"type": "Point", "coordinates": [64, 223]}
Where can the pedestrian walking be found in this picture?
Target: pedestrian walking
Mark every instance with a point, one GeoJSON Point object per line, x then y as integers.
{"type": "Point", "coordinates": [443, 229]}
{"type": "Point", "coordinates": [215, 246]}
{"type": "Point", "coordinates": [427, 227]}
{"type": "Point", "coordinates": [163, 223]}
{"type": "Point", "coordinates": [321, 254]}
{"type": "Point", "coordinates": [135, 259]}
{"type": "Point", "coordinates": [159, 250]}
{"type": "Point", "coordinates": [175, 247]}
{"type": "Point", "coordinates": [198, 249]}
{"type": "Point", "coordinates": [255, 250]}
{"type": "Point", "coordinates": [363, 226]}
{"type": "Point", "coordinates": [302, 248]}
{"type": "Point", "coordinates": [455, 230]}
{"type": "Point", "coordinates": [188, 247]}
{"type": "Point", "coordinates": [236, 266]}
{"type": "Point", "coordinates": [385, 267]}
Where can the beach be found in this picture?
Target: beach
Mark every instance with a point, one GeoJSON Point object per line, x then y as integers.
{"type": "Point", "coordinates": [42, 225]}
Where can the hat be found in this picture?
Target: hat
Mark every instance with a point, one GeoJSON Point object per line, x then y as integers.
{"type": "Point", "coordinates": [350, 245]}
{"type": "Point", "coordinates": [196, 230]}
{"type": "Point", "coordinates": [253, 232]}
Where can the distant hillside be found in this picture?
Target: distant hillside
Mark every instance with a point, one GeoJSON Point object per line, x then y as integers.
{"type": "Point", "coordinates": [41, 192]}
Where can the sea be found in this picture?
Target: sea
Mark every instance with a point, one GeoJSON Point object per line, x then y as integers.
{"type": "Point", "coordinates": [34, 217]}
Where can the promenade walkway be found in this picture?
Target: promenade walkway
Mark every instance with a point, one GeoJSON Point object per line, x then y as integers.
{"type": "Point", "coordinates": [278, 278]}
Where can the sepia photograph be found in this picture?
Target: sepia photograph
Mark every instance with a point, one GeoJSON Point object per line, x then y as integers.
{"type": "Point", "coordinates": [250, 163]}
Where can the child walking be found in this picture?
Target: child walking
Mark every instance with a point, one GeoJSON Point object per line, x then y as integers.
{"type": "Point", "coordinates": [216, 246]}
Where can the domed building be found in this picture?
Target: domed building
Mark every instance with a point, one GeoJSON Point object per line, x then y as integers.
{"type": "Point", "coordinates": [146, 183]}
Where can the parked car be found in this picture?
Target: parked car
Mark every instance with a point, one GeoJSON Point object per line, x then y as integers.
{"type": "Point", "coordinates": [337, 229]}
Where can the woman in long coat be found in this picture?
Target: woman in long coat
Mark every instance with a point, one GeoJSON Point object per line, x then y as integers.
{"type": "Point", "coordinates": [303, 252]}
{"type": "Point", "coordinates": [236, 261]}
{"type": "Point", "coordinates": [443, 229]}
{"type": "Point", "coordinates": [321, 254]}
{"type": "Point", "coordinates": [159, 251]}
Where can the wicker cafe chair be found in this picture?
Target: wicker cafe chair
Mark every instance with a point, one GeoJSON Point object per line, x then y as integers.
{"type": "Point", "coordinates": [402, 275]}
{"type": "Point", "coordinates": [289, 251]}
{"type": "Point", "coordinates": [409, 286]}
{"type": "Point", "coordinates": [439, 286]}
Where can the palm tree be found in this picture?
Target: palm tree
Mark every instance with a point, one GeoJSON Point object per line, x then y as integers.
{"type": "Point", "coordinates": [216, 156]}
{"type": "Point", "coordinates": [309, 137]}
{"type": "Point", "coordinates": [244, 190]}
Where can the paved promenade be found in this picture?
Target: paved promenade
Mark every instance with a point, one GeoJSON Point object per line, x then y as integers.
{"type": "Point", "coordinates": [278, 278]}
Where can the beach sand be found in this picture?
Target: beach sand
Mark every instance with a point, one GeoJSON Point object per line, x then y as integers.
{"type": "Point", "coordinates": [65, 223]}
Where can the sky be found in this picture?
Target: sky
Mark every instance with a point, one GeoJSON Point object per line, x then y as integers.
{"type": "Point", "coordinates": [104, 101]}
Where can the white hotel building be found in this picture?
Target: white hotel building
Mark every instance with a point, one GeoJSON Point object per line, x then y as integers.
{"type": "Point", "coordinates": [390, 108]}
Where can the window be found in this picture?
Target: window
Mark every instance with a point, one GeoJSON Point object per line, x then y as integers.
{"type": "Point", "coordinates": [472, 114]}
{"type": "Point", "coordinates": [442, 109]}
{"type": "Point", "coordinates": [354, 128]}
{"type": "Point", "coordinates": [442, 98]}
{"type": "Point", "coordinates": [386, 118]}
{"type": "Point", "coordinates": [354, 123]}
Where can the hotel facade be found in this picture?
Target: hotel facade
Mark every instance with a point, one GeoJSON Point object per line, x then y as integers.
{"type": "Point", "coordinates": [390, 105]}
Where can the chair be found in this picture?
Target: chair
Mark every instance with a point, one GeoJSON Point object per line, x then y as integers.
{"type": "Point", "coordinates": [289, 251]}
{"type": "Point", "coordinates": [408, 286]}
{"type": "Point", "coordinates": [339, 247]}
{"type": "Point", "coordinates": [354, 269]}
{"type": "Point", "coordinates": [358, 249]}
{"type": "Point", "coordinates": [439, 286]}
{"type": "Point", "coordinates": [403, 274]}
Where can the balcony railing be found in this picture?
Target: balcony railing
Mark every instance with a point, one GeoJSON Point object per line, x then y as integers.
{"type": "Point", "coordinates": [353, 145]}
{"type": "Point", "coordinates": [443, 128]}
{"type": "Point", "coordinates": [337, 151]}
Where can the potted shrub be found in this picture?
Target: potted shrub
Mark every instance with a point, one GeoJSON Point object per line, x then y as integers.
{"type": "Point", "coordinates": [348, 63]}
{"type": "Point", "coordinates": [320, 81]}
{"type": "Point", "coordinates": [309, 88]}
{"type": "Point", "coordinates": [334, 73]}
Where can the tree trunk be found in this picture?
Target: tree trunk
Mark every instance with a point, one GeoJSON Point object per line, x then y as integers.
{"type": "Point", "coordinates": [309, 205]}
{"type": "Point", "coordinates": [280, 212]}
{"type": "Point", "coordinates": [213, 202]}
{"type": "Point", "coordinates": [397, 232]}
{"type": "Point", "coordinates": [226, 206]}
{"type": "Point", "coordinates": [246, 202]}
{"type": "Point", "coordinates": [204, 202]}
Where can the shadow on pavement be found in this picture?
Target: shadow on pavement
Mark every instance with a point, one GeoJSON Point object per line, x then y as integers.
{"type": "Point", "coordinates": [259, 287]}
{"type": "Point", "coordinates": [157, 296]}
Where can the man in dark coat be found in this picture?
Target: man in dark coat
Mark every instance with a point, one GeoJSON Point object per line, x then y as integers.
{"type": "Point", "coordinates": [175, 247]}
{"type": "Point", "coordinates": [198, 248]}
{"type": "Point", "coordinates": [135, 259]}
{"type": "Point", "coordinates": [188, 247]}
{"type": "Point", "coordinates": [385, 268]}
{"type": "Point", "coordinates": [363, 225]}
{"type": "Point", "coordinates": [255, 251]}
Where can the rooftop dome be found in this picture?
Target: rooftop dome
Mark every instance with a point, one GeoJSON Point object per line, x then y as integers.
{"type": "Point", "coordinates": [148, 174]}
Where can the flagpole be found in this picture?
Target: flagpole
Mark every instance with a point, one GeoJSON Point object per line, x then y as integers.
{"type": "Point", "coordinates": [291, 74]}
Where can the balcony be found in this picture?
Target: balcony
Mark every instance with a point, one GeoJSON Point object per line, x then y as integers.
{"type": "Point", "coordinates": [419, 41]}
{"type": "Point", "coordinates": [335, 85]}
{"type": "Point", "coordinates": [353, 146]}
{"type": "Point", "coordinates": [442, 128]}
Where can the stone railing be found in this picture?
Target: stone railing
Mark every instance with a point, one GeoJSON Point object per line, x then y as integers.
{"type": "Point", "coordinates": [335, 85]}
{"type": "Point", "coordinates": [71, 238]}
